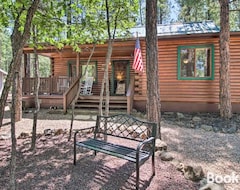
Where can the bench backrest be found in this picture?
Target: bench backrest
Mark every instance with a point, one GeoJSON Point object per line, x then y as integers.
{"type": "Point", "coordinates": [125, 126]}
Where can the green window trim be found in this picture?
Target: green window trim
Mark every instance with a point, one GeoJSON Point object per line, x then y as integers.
{"type": "Point", "coordinates": [211, 67]}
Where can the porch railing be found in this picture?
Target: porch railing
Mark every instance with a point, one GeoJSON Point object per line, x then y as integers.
{"type": "Point", "coordinates": [68, 87]}
{"type": "Point", "coordinates": [70, 94]}
{"type": "Point", "coordinates": [48, 85]}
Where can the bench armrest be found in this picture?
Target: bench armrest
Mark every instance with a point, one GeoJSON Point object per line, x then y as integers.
{"type": "Point", "coordinates": [146, 141]}
{"type": "Point", "coordinates": [75, 140]}
{"type": "Point", "coordinates": [81, 130]}
{"type": "Point", "coordinates": [87, 128]}
{"type": "Point", "coordinates": [75, 135]}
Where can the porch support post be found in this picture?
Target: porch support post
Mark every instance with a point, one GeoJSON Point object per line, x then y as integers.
{"type": "Point", "coordinates": [26, 65]}
{"type": "Point", "coordinates": [52, 67]}
{"type": "Point", "coordinates": [77, 63]}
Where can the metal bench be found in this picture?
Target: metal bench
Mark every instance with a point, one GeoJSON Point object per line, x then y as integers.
{"type": "Point", "coordinates": [122, 126]}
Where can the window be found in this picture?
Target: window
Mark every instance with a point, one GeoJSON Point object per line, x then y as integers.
{"type": "Point", "coordinates": [91, 70]}
{"type": "Point", "coordinates": [196, 62]}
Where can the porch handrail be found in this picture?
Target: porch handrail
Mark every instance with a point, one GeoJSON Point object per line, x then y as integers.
{"type": "Point", "coordinates": [70, 94]}
{"type": "Point", "coordinates": [48, 85]}
{"type": "Point", "coordinates": [130, 95]}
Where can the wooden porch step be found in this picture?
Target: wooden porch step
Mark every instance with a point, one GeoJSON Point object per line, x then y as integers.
{"type": "Point", "coordinates": [115, 102]}
{"type": "Point", "coordinates": [118, 106]}
{"type": "Point", "coordinates": [98, 97]}
{"type": "Point", "coordinates": [97, 101]}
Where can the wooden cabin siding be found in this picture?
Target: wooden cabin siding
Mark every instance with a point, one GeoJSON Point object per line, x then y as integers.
{"type": "Point", "coordinates": [195, 92]}
{"type": "Point", "coordinates": [176, 95]}
{"type": "Point", "coordinates": [235, 68]}
{"type": "Point", "coordinates": [172, 89]}
{"type": "Point", "coordinates": [61, 66]}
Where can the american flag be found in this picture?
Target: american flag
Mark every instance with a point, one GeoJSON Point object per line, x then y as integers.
{"type": "Point", "coordinates": [138, 62]}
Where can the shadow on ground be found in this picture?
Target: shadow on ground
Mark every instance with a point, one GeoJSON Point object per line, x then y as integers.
{"type": "Point", "coordinates": [51, 167]}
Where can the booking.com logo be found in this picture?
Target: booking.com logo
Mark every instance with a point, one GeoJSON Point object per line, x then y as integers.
{"type": "Point", "coordinates": [226, 179]}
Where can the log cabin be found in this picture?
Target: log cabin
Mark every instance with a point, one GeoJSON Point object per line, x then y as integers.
{"type": "Point", "coordinates": [188, 58]}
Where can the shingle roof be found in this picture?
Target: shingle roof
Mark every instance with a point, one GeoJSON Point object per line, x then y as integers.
{"type": "Point", "coordinates": [180, 29]}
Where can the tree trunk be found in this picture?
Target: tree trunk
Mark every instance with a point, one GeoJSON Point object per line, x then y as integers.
{"type": "Point", "coordinates": [108, 59]}
{"type": "Point", "coordinates": [12, 180]}
{"type": "Point", "coordinates": [77, 95]}
{"type": "Point", "coordinates": [153, 95]}
{"type": "Point", "coordinates": [105, 81]}
{"type": "Point", "coordinates": [36, 89]}
{"type": "Point", "coordinates": [224, 82]}
{"type": "Point", "coordinates": [18, 107]}
{"type": "Point", "coordinates": [18, 40]}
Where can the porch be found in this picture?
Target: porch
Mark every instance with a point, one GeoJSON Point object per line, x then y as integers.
{"type": "Point", "coordinates": [48, 85]}
{"type": "Point", "coordinates": [60, 91]}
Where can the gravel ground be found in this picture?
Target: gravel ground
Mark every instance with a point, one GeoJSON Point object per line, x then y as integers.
{"type": "Point", "coordinates": [50, 166]}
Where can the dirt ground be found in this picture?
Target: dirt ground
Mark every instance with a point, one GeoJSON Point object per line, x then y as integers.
{"type": "Point", "coordinates": [51, 165]}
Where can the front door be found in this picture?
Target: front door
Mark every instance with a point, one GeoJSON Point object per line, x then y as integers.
{"type": "Point", "coordinates": [120, 77]}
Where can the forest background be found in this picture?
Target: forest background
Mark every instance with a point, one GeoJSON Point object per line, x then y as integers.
{"type": "Point", "coordinates": [169, 11]}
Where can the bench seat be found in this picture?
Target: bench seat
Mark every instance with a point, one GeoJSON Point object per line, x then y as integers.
{"type": "Point", "coordinates": [119, 151]}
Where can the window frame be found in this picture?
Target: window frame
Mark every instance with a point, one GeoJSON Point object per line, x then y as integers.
{"type": "Point", "coordinates": [72, 62]}
{"type": "Point", "coordinates": [82, 63]}
{"type": "Point", "coordinates": [211, 77]}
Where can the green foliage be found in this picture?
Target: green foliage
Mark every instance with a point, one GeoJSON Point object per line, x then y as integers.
{"type": "Point", "coordinates": [69, 22]}
{"type": "Point", "coordinates": [5, 49]}
{"type": "Point", "coordinates": [235, 15]}
{"type": "Point", "coordinates": [5, 13]}
{"type": "Point", "coordinates": [163, 12]}
{"type": "Point", "coordinates": [122, 16]}
{"type": "Point", "coordinates": [44, 66]}
{"type": "Point", "coordinates": [192, 11]}
{"type": "Point", "coordinates": [72, 22]}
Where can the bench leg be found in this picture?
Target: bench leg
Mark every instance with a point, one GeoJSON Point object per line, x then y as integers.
{"type": "Point", "coordinates": [137, 175]}
{"type": "Point", "coordinates": [74, 150]}
{"type": "Point", "coordinates": [153, 165]}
